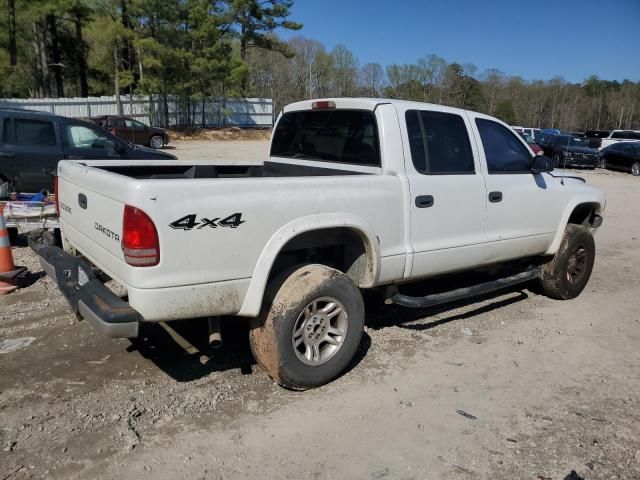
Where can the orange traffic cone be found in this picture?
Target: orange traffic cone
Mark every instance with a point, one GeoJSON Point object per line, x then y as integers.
{"type": "Point", "coordinates": [8, 270]}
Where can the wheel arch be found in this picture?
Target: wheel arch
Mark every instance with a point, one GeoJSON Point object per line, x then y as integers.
{"type": "Point", "coordinates": [313, 232]}
{"type": "Point", "coordinates": [580, 211]}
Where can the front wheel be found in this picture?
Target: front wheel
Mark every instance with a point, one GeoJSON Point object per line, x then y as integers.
{"type": "Point", "coordinates": [311, 331]}
{"type": "Point", "coordinates": [635, 169]}
{"type": "Point", "coordinates": [567, 273]}
{"type": "Point", "coordinates": [556, 160]}
{"type": "Point", "coordinates": [156, 142]}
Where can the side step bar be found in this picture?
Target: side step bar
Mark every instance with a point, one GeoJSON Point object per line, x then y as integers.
{"type": "Point", "coordinates": [462, 293]}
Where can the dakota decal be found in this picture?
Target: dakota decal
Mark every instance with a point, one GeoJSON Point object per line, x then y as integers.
{"type": "Point", "coordinates": [107, 233]}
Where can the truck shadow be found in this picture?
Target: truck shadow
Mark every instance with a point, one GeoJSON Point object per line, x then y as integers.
{"type": "Point", "coordinates": [190, 358]}
{"type": "Point", "coordinates": [198, 360]}
{"type": "Point", "coordinates": [384, 316]}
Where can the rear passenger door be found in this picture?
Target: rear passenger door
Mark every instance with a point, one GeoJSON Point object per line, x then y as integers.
{"type": "Point", "coordinates": [447, 192]}
{"type": "Point", "coordinates": [32, 147]}
{"type": "Point", "coordinates": [523, 209]}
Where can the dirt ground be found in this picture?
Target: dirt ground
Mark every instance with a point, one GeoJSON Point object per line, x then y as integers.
{"type": "Point", "coordinates": [510, 386]}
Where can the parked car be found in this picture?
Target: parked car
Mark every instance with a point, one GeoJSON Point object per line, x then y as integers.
{"type": "Point", "coordinates": [355, 194]}
{"type": "Point", "coordinates": [32, 143]}
{"type": "Point", "coordinates": [133, 131]}
{"type": "Point", "coordinates": [532, 143]}
{"type": "Point", "coordinates": [568, 151]}
{"type": "Point", "coordinates": [595, 137]}
{"type": "Point", "coordinates": [620, 136]}
{"type": "Point", "coordinates": [532, 132]}
{"type": "Point", "coordinates": [623, 156]}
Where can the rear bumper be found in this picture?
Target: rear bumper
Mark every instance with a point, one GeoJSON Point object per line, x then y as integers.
{"type": "Point", "coordinates": [87, 295]}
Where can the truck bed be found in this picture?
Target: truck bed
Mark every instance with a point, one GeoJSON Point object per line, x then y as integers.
{"type": "Point", "coordinates": [191, 171]}
{"type": "Point", "coordinates": [222, 225]}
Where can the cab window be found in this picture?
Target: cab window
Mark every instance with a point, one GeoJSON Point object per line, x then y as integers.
{"type": "Point", "coordinates": [502, 149]}
{"type": "Point", "coordinates": [439, 143]}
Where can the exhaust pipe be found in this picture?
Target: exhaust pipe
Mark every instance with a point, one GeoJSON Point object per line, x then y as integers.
{"type": "Point", "coordinates": [215, 337]}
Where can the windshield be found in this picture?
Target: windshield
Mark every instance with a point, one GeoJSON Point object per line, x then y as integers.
{"type": "Point", "coordinates": [566, 140]}
{"type": "Point", "coordinates": [345, 136]}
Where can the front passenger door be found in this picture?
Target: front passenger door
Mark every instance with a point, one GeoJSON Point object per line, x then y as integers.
{"type": "Point", "coordinates": [523, 209]}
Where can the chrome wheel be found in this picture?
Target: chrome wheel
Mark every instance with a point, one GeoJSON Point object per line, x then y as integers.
{"type": "Point", "coordinates": [156, 142]}
{"type": "Point", "coordinates": [319, 331]}
{"type": "Point", "coordinates": [635, 169]}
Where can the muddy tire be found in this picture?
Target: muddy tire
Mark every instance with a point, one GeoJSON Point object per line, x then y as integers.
{"type": "Point", "coordinates": [310, 328]}
{"type": "Point", "coordinates": [567, 273]}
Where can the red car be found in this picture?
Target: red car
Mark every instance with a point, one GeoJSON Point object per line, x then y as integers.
{"type": "Point", "coordinates": [532, 143]}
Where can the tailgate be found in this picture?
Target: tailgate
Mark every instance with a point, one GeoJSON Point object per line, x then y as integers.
{"type": "Point", "coordinates": [91, 208]}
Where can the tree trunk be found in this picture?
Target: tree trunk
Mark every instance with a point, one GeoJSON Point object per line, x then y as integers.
{"type": "Point", "coordinates": [42, 66]}
{"type": "Point", "coordinates": [116, 81]}
{"type": "Point", "coordinates": [13, 49]}
{"type": "Point", "coordinates": [165, 105]}
{"type": "Point", "coordinates": [243, 57]}
{"type": "Point", "coordinates": [55, 54]}
{"type": "Point", "coordinates": [82, 58]}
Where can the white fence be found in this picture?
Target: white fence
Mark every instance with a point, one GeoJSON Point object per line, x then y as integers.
{"type": "Point", "coordinates": [153, 110]}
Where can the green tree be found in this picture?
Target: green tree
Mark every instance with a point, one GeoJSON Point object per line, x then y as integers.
{"type": "Point", "coordinates": [505, 112]}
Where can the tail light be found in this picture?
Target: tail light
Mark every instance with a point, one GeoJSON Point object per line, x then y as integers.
{"type": "Point", "coordinates": [140, 242]}
{"type": "Point", "coordinates": [56, 194]}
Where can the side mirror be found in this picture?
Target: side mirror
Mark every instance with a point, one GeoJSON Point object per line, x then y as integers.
{"type": "Point", "coordinates": [541, 164]}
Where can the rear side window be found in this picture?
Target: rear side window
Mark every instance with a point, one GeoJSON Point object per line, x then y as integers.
{"type": "Point", "coordinates": [29, 132]}
{"type": "Point", "coordinates": [502, 149]}
{"type": "Point", "coordinates": [344, 136]}
{"type": "Point", "coordinates": [626, 135]}
{"type": "Point", "coordinates": [439, 143]}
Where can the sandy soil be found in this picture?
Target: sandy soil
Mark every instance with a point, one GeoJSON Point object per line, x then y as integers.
{"type": "Point", "coordinates": [552, 388]}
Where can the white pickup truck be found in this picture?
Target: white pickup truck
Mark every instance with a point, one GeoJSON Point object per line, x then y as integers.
{"type": "Point", "coordinates": [355, 194]}
{"type": "Point", "coordinates": [620, 136]}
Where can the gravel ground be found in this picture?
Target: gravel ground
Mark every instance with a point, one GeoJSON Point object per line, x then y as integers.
{"type": "Point", "coordinates": [551, 389]}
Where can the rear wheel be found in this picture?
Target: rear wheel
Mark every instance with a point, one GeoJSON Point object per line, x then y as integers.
{"type": "Point", "coordinates": [567, 273]}
{"type": "Point", "coordinates": [311, 331]}
{"type": "Point", "coordinates": [635, 169]}
{"type": "Point", "coordinates": [156, 142]}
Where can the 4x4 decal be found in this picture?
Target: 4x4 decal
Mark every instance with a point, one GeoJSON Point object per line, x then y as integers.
{"type": "Point", "coordinates": [191, 221]}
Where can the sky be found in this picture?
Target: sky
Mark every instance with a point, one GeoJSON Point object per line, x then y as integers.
{"type": "Point", "coordinates": [533, 39]}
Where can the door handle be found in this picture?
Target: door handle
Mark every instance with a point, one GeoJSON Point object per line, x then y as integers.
{"type": "Point", "coordinates": [495, 197]}
{"type": "Point", "coordinates": [7, 154]}
{"type": "Point", "coordinates": [424, 201]}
